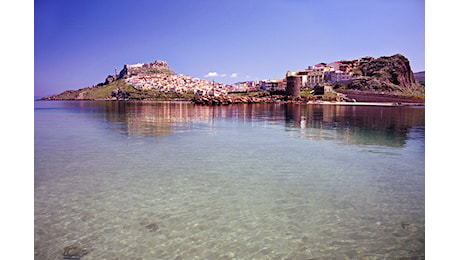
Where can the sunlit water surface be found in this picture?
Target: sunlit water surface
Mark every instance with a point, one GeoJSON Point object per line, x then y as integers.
{"type": "Point", "coordinates": [171, 180]}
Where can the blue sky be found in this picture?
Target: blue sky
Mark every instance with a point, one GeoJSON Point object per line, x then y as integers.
{"type": "Point", "coordinates": [78, 43]}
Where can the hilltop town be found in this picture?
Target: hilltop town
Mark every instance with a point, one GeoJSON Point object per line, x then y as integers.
{"type": "Point", "coordinates": [158, 76]}
{"type": "Point", "coordinates": [152, 81]}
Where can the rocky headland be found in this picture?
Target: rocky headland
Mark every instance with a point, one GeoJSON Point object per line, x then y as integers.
{"type": "Point", "coordinates": [391, 74]}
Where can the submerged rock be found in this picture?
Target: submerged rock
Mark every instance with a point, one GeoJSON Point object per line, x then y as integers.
{"type": "Point", "coordinates": [410, 227]}
{"type": "Point", "coordinates": [152, 227]}
{"type": "Point", "coordinates": [74, 252]}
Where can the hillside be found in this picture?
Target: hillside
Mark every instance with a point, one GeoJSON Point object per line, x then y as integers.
{"type": "Point", "coordinates": [123, 86]}
{"type": "Point", "coordinates": [118, 90]}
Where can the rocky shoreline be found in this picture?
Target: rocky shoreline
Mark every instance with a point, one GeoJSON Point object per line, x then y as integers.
{"type": "Point", "coordinates": [341, 97]}
{"type": "Point", "coordinates": [227, 100]}
{"type": "Point", "coordinates": [361, 98]}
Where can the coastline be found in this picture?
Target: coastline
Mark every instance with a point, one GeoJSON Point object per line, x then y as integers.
{"type": "Point", "coordinates": [347, 98]}
{"type": "Point", "coordinates": [258, 101]}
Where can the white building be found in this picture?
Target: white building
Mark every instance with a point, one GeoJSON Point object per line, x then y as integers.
{"type": "Point", "coordinates": [137, 65]}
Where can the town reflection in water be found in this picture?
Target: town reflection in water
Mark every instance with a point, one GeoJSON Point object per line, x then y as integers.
{"type": "Point", "coordinates": [375, 125]}
{"type": "Point", "coordinates": [389, 126]}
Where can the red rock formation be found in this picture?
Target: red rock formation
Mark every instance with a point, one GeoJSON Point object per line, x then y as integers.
{"type": "Point", "coordinates": [387, 74]}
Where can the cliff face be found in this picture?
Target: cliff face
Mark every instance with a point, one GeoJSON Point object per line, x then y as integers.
{"type": "Point", "coordinates": [391, 74]}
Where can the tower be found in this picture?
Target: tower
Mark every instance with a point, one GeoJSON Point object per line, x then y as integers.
{"type": "Point", "coordinates": [293, 85]}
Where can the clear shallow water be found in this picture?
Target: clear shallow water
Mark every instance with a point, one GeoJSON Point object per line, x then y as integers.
{"type": "Point", "coordinates": [265, 181]}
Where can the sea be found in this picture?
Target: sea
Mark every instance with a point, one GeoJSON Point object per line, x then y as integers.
{"type": "Point", "coordinates": [175, 180]}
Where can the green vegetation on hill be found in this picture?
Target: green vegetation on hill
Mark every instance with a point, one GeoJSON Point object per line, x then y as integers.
{"type": "Point", "coordinates": [98, 92]}
{"type": "Point", "coordinates": [119, 90]}
{"type": "Point", "coordinates": [102, 92]}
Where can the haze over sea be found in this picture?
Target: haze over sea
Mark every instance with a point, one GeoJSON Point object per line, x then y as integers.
{"type": "Point", "coordinates": [173, 180]}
